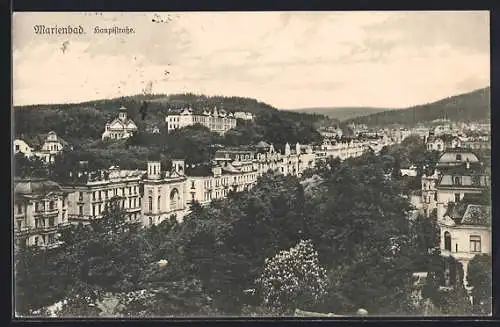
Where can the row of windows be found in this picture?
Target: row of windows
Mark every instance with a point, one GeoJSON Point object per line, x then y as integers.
{"type": "Point", "coordinates": [132, 190]}
{"type": "Point", "coordinates": [474, 243]}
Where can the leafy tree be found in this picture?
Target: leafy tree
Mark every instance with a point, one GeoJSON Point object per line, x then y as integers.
{"type": "Point", "coordinates": [293, 278]}
{"type": "Point", "coordinates": [479, 277]}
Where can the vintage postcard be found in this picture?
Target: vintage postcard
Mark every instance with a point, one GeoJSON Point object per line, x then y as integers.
{"type": "Point", "coordinates": [251, 164]}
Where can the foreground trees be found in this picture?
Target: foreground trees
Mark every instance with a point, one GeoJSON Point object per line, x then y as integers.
{"type": "Point", "coordinates": [215, 261]}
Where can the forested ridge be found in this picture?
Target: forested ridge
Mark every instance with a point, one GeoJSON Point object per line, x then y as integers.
{"type": "Point", "coordinates": [472, 106]}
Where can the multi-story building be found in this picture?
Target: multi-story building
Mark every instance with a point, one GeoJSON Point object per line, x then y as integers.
{"type": "Point", "coordinates": [43, 146]}
{"type": "Point", "coordinates": [40, 212]}
{"type": "Point", "coordinates": [164, 193]}
{"type": "Point", "coordinates": [344, 150]}
{"type": "Point", "coordinates": [295, 161]}
{"type": "Point", "coordinates": [465, 231]}
{"type": "Point", "coordinates": [121, 127]}
{"type": "Point", "coordinates": [218, 121]}
{"type": "Point", "coordinates": [455, 183]}
{"type": "Point", "coordinates": [89, 196]}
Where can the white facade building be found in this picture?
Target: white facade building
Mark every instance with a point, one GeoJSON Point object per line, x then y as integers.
{"type": "Point", "coordinates": [218, 121]}
{"type": "Point", "coordinates": [121, 127]}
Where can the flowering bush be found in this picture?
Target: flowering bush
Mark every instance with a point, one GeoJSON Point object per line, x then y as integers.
{"type": "Point", "coordinates": [293, 278]}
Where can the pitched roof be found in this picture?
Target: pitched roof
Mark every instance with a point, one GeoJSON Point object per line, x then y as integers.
{"type": "Point", "coordinates": [35, 186]}
{"type": "Point", "coordinates": [477, 215]}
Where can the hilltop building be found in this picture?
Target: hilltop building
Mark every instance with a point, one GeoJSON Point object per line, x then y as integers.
{"type": "Point", "coordinates": [43, 146]}
{"type": "Point", "coordinates": [244, 115]}
{"type": "Point", "coordinates": [121, 127]}
{"type": "Point", "coordinates": [216, 120]}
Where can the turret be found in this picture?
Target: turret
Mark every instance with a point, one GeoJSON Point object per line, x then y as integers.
{"type": "Point", "coordinates": [154, 170]}
{"type": "Point", "coordinates": [122, 113]}
{"type": "Point", "coordinates": [178, 166]}
{"type": "Point", "coordinates": [287, 149]}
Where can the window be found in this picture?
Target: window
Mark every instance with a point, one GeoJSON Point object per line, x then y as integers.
{"type": "Point", "coordinates": [93, 210]}
{"type": "Point", "coordinates": [37, 240]}
{"type": "Point", "coordinates": [192, 184]}
{"type": "Point", "coordinates": [174, 196]}
{"type": "Point", "coordinates": [457, 197]}
{"type": "Point", "coordinates": [80, 210]}
{"type": "Point", "coordinates": [19, 224]}
{"type": "Point", "coordinates": [447, 241]}
{"type": "Point", "coordinates": [150, 202]}
{"type": "Point", "coordinates": [158, 203]}
{"type": "Point", "coordinates": [459, 157]}
{"type": "Point", "coordinates": [456, 180]}
{"type": "Point", "coordinates": [17, 147]}
{"type": "Point", "coordinates": [435, 197]}
{"type": "Point", "coordinates": [51, 221]}
{"type": "Point", "coordinates": [150, 221]}
{"type": "Point", "coordinates": [93, 196]}
{"type": "Point", "coordinates": [475, 243]}
{"type": "Point", "coordinates": [19, 208]}
{"type": "Point", "coordinates": [51, 205]}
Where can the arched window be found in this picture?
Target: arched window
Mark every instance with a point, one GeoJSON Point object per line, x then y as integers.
{"type": "Point", "coordinates": [159, 203]}
{"type": "Point", "coordinates": [150, 201]}
{"type": "Point", "coordinates": [447, 241]}
{"type": "Point", "coordinates": [174, 197]}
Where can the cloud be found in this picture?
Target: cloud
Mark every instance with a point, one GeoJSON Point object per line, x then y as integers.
{"type": "Point", "coordinates": [290, 60]}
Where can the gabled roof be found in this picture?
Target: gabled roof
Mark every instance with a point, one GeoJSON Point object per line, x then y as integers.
{"type": "Point", "coordinates": [262, 145]}
{"type": "Point", "coordinates": [477, 215]}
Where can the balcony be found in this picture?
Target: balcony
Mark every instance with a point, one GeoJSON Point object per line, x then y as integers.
{"type": "Point", "coordinates": [64, 225]}
{"type": "Point", "coordinates": [47, 228]}
{"type": "Point", "coordinates": [47, 212]}
{"type": "Point", "coordinates": [22, 231]}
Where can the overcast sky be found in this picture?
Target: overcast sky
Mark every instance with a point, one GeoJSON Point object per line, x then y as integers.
{"type": "Point", "coordinates": [287, 59]}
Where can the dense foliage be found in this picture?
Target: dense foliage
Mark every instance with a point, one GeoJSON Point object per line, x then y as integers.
{"type": "Point", "coordinates": [209, 264]}
{"type": "Point", "coordinates": [473, 106]}
{"type": "Point", "coordinates": [479, 277]}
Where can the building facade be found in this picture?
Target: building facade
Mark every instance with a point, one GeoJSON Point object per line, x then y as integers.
{"type": "Point", "coordinates": [465, 231]}
{"type": "Point", "coordinates": [121, 127]}
{"type": "Point", "coordinates": [218, 121]}
{"type": "Point", "coordinates": [40, 212]}
{"type": "Point", "coordinates": [164, 193]}
{"type": "Point", "coordinates": [89, 197]}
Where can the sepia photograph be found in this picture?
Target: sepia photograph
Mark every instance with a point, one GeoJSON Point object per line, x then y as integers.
{"type": "Point", "coordinates": [251, 164]}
